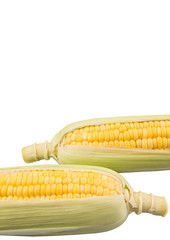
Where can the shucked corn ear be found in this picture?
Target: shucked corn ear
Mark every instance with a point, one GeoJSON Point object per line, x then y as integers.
{"type": "Point", "coordinates": [68, 199]}
{"type": "Point", "coordinates": [123, 144]}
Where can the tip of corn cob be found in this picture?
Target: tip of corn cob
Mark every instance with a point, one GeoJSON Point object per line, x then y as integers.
{"type": "Point", "coordinates": [36, 152]}
{"type": "Point", "coordinates": [149, 203]}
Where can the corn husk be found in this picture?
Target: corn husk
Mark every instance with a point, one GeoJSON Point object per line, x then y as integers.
{"type": "Point", "coordinates": [121, 160]}
{"type": "Point", "coordinates": [75, 216]}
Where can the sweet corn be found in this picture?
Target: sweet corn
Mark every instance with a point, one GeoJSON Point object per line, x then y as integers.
{"type": "Point", "coordinates": [68, 199]}
{"type": "Point", "coordinates": [123, 144]}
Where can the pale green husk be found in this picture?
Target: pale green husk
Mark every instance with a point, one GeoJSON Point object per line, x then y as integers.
{"type": "Point", "coordinates": [64, 216]}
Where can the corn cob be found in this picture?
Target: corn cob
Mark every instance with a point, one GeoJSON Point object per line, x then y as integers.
{"type": "Point", "coordinates": [68, 199]}
{"type": "Point", "coordinates": [124, 144]}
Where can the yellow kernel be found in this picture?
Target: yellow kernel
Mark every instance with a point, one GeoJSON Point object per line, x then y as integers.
{"type": "Point", "coordinates": [127, 144]}
{"type": "Point", "coordinates": [95, 136]}
{"type": "Point", "coordinates": [59, 189]}
{"type": "Point", "coordinates": [92, 129]}
{"type": "Point", "coordinates": [76, 188]}
{"type": "Point", "coordinates": [159, 142]}
{"type": "Point", "coordinates": [126, 136]}
{"type": "Point", "coordinates": [127, 125]}
{"type": "Point", "coordinates": [68, 140]}
{"type": "Point", "coordinates": [121, 137]}
{"type": "Point", "coordinates": [135, 134]}
{"type": "Point", "coordinates": [97, 128]}
{"type": "Point", "coordinates": [104, 183]}
{"type": "Point", "coordinates": [107, 126]}
{"type": "Point", "coordinates": [29, 179]}
{"type": "Point", "coordinates": [25, 191]}
{"type": "Point", "coordinates": [37, 190]}
{"type": "Point", "coordinates": [145, 133]}
{"type": "Point", "coordinates": [111, 135]}
{"type": "Point", "coordinates": [162, 123]}
{"type": "Point", "coordinates": [145, 124]}
{"type": "Point", "coordinates": [100, 144]}
{"type": "Point", "coordinates": [99, 191]}
{"type": "Point", "coordinates": [87, 188]}
{"type": "Point", "coordinates": [73, 137]}
{"type": "Point", "coordinates": [131, 125]}
{"type": "Point", "coordinates": [10, 190]}
{"type": "Point", "coordinates": [53, 189]}
{"type": "Point", "coordinates": [81, 189]}
{"type": "Point", "coordinates": [155, 145]}
{"type": "Point", "coordinates": [136, 125]}
{"type": "Point", "coordinates": [101, 136]}
{"type": "Point", "coordinates": [64, 196]}
{"type": "Point", "coordinates": [70, 195]}
{"type": "Point", "coordinates": [139, 143]}
{"type": "Point", "coordinates": [95, 144]}
{"type": "Point", "coordinates": [144, 143]}
{"type": "Point", "coordinates": [85, 143]}
{"type": "Point", "coordinates": [122, 128]}
{"type": "Point", "coordinates": [105, 192]}
{"type": "Point", "coordinates": [117, 125]}
{"type": "Point", "coordinates": [83, 180]}
{"type": "Point", "coordinates": [159, 133]}
{"type": "Point", "coordinates": [140, 133]}
{"type": "Point", "coordinates": [113, 193]}
{"type": "Point", "coordinates": [87, 129]}
{"type": "Point", "coordinates": [164, 143]}
{"type": "Point", "coordinates": [149, 132]}
{"type": "Point", "coordinates": [66, 180]}
{"type": "Point", "coordinates": [52, 197]}
{"type": "Point", "coordinates": [150, 143]}
{"type": "Point", "coordinates": [116, 134]}
{"type": "Point", "coordinates": [106, 135]}
{"type": "Point", "coordinates": [76, 180]}
{"type": "Point", "coordinates": [84, 136]}
{"type": "Point", "coordinates": [122, 144]}
{"type": "Point", "coordinates": [88, 195]}
{"type": "Point", "coordinates": [168, 132]}
{"type": "Point", "coordinates": [79, 137]}
{"type": "Point", "coordinates": [76, 195]}
{"type": "Point", "coordinates": [90, 137]}
{"type": "Point", "coordinates": [157, 124]}
{"type": "Point", "coordinates": [132, 144]}
{"type": "Point", "coordinates": [97, 181]}
{"type": "Point", "coordinates": [59, 196]}
{"type": "Point", "coordinates": [141, 125]}
{"type": "Point", "coordinates": [163, 130]}
{"type": "Point", "coordinates": [131, 136]}
{"type": "Point", "coordinates": [112, 126]}
{"type": "Point", "coordinates": [82, 195]}
{"type": "Point", "coordinates": [31, 190]}
{"type": "Point", "coordinates": [102, 128]}
{"type": "Point", "coordinates": [111, 144]}
{"type": "Point", "coordinates": [65, 190]}
{"type": "Point", "coordinates": [48, 190]}
{"type": "Point", "coordinates": [154, 132]}
{"type": "Point", "coordinates": [93, 190]}
{"type": "Point", "coordinates": [4, 191]}
{"type": "Point", "coordinates": [117, 143]}
{"type": "Point", "coordinates": [58, 180]}
{"type": "Point", "coordinates": [105, 144]}
{"type": "Point", "coordinates": [110, 186]}
{"type": "Point", "coordinates": [169, 143]}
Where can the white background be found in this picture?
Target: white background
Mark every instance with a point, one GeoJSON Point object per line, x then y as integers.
{"type": "Point", "coordinates": [65, 61]}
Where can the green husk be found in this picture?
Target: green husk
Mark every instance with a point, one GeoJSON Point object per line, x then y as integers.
{"type": "Point", "coordinates": [121, 160]}
{"type": "Point", "coordinates": [75, 216]}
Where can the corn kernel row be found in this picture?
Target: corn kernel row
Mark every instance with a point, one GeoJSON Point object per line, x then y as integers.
{"type": "Point", "coordinates": [43, 187]}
